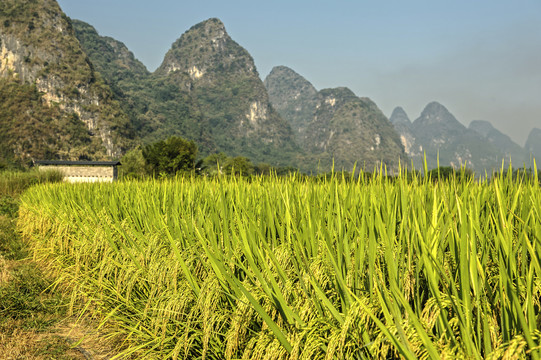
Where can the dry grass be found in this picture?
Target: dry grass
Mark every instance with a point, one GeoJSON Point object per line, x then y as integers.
{"type": "Point", "coordinates": [84, 338]}
{"type": "Point", "coordinates": [5, 267]}
{"type": "Point", "coordinates": [67, 339]}
{"type": "Point", "coordinates": [17, 343]}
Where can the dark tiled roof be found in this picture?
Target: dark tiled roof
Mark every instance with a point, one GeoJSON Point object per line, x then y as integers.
{"type": "Point", "coordinates": [77, 163]}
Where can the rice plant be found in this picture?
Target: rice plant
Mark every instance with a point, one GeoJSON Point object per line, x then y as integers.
{"type": "Point", "coordinates": [291, 268]}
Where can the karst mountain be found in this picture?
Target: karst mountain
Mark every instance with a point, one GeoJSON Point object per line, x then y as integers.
{"type": "Point", "coordinates": [66, 92]}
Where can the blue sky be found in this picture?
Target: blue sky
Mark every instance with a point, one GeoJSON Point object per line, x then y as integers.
{"type": "Point", "coordinates": [481, 59]}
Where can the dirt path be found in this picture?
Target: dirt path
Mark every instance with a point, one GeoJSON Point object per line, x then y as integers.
{"type": "Point", "coordinates": [63, 341]}
{"type": "Point", "coordinates": [33, 320]}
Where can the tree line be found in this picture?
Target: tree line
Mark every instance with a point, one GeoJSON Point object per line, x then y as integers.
{"type": "Point", "coordinates": [177, 156]}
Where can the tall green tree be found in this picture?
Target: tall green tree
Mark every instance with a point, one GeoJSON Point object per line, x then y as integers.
{"type": "Point", "coordinates": [133, 164]}
{"type": "Point", "coordinates": [214, 163]}
{"type": "Point", "coordinates": [239, 165]}
{"type": "Point", "coordinates": [170, 156]}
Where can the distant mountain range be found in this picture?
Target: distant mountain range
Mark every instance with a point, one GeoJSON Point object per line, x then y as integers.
{"type": "Point", "coordinates": [437, 133]}
{"type": "Point", "coordinates": [328, 123]}
{"type": "Point", "coordinates": [68, 93]}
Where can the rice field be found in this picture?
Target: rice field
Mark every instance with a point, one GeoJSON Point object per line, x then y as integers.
{"type": "Point", "coordinates": [288, 268]}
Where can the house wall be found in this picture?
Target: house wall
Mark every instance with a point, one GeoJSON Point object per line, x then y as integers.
{"type": "Point", "coordinates": [84, 173]}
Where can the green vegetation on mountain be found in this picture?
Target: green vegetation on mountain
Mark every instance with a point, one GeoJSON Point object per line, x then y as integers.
{"type": "Point", "coordinates": [206, 90]}
{"type": "Point", "coordinates": [158, 106]}
{"type": "Point", "coordinates": [293, 97]}
{"type": "Point", "coordinates": [29, 129]}
{"type": "Point", "coordinates": [230, 94]}
{"type": "Point", "coordinates": [334, 126]}
{"type": "Point", "coordinates": [69, 93]}
{"type": "Point", "coordinates": [113, 60]}
{"type": "Point", "coordinates": [352, 130]}
{"type": "Point", "coordinates": [42, 32]}
{"type": "Point", "coordinates": [42, 58]}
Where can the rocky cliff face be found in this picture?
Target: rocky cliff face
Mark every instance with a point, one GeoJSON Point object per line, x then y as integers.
{"type": "Point", "coordinates": [533, 145]}
{"type": "Point", "coordinates": [207, 53]}
{"type": "Point", "coordinates": [352, 130]}
{"type": "Point", "coordinates": [38, 47]}
{"type": "Point", "coordinates": [402, 124]}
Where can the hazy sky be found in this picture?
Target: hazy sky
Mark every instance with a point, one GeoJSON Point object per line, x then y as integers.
{"type": "Point", "coordinates": [481, 59]}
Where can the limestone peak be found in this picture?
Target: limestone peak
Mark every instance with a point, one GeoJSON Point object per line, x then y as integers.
{"type": "Point", "coordinates": [206, 51]}
{"type": "Point", "coordinates": [399, 116]}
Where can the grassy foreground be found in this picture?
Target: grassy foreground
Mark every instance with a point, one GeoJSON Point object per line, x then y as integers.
{"type": "Point", "coordinates": [281, 268]}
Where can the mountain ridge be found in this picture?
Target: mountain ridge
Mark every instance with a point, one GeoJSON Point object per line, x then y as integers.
{"type": "Point", "coordinates": [296, 103]}
{"type": "Point", "coordinates": [227, 107]}
{"type": "Point", "coordinates": [334, 126]}
{"type": "Point", "coordinates": [438, 133]}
